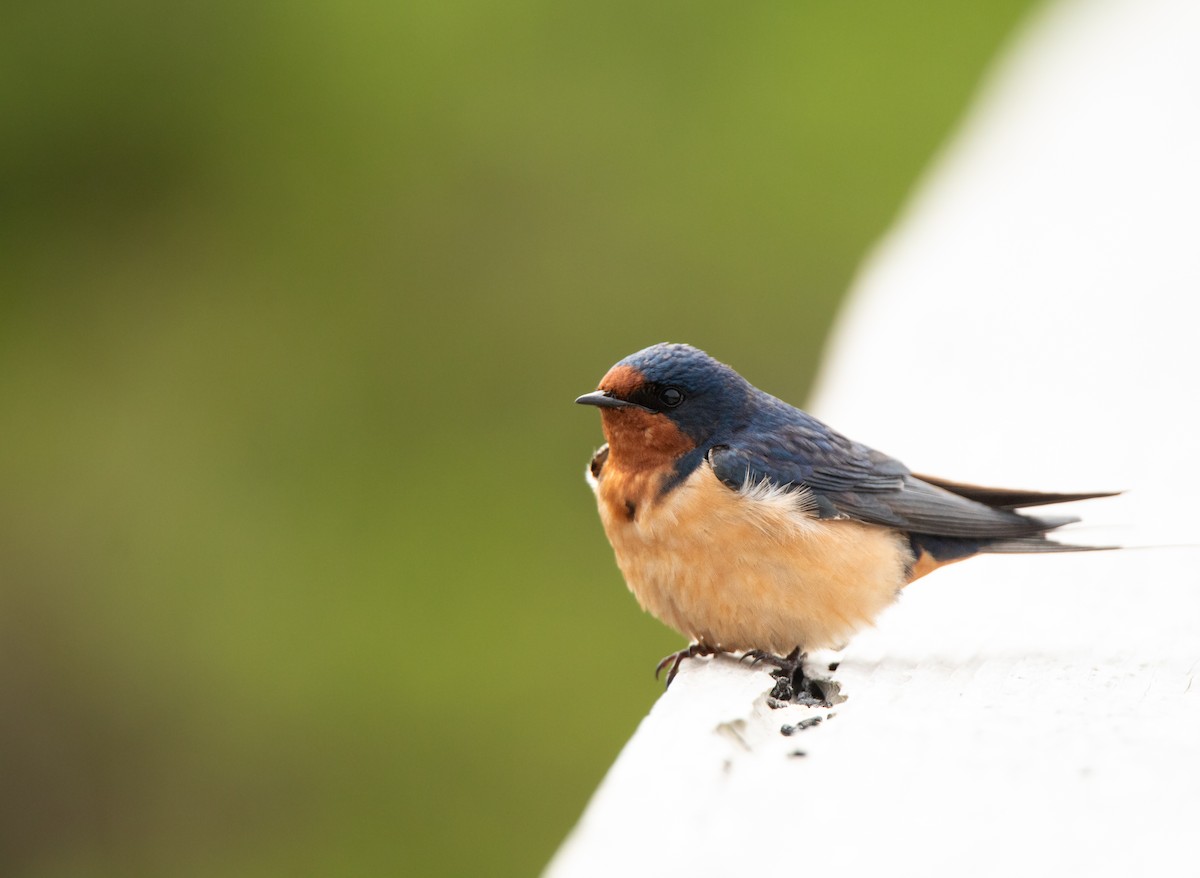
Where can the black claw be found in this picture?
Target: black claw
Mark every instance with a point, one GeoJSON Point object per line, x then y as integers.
{"type": "Point", "coordinates": [674, 671]}
{"type": "Point", "coordinates": [791, 683]}
{"type": "Point", "coordinates": [673, 660]}
{"type": "Point", "coordinates": [761, 656]}
{"type": "Point", "coordinates": [666, 661]}
{"type": "Point", "coordinates": [757, 657]}
{"type": "Point", "coordinates": [676, 658]}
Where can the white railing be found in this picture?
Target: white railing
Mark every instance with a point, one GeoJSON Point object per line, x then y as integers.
{"type": "Point", "coordinates": [1033, 321]}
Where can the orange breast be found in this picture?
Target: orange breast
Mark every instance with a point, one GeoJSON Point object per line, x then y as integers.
{"type": "Point", "coordinates": [739, 573]}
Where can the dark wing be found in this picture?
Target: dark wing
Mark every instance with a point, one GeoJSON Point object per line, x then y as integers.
{"type": "Point", "coordinates": [850, 480]}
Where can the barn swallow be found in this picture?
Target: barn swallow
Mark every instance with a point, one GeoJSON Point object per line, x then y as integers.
{"type": "Point", "coordinates": [749, 526]}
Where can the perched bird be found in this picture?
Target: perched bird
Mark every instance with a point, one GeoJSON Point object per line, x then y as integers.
{"type": "Point", "coordinates": [749, 526]}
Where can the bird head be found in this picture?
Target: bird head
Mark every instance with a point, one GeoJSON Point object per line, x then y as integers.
{"type": "Point", "coordinates": [668, 398]}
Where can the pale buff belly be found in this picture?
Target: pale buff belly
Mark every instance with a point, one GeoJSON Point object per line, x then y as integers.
{"type": "Point", "coordinates": [738, 574]}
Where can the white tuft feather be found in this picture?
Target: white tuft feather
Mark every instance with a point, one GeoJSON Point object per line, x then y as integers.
{"type": "Point", "coordinates": [592, 481]}
{"type": "Point", "coordinates": [793, 499]}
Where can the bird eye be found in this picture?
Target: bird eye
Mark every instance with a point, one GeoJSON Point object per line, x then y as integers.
{"type": "Point", "coordinates": [670, 396]}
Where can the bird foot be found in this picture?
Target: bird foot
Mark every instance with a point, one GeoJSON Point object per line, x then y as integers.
{"type": "Point", "coordinates": [675, 658]}
{"type": "Point", "coordinates": [792, 685]}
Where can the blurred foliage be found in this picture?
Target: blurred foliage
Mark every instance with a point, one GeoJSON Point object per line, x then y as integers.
{"type": "Point", "coordinates": [298, 572]}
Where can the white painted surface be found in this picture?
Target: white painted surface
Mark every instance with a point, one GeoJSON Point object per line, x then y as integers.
{"type": "Point", "coordinates": [1034, 321]}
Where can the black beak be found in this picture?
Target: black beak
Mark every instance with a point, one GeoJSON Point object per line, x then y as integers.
{"type": "Point", "coordinates": [603, 400]}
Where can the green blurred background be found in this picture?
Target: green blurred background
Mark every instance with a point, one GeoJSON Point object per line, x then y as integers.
{"type": "Point", "coordinates": [298, 570]}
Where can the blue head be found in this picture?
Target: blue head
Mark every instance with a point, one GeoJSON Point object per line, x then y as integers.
{"type": "Point", "coordinates": [673, 385]}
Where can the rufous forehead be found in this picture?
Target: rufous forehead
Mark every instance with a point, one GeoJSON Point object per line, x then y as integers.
{"type": "Point", "coordinates": [622, 380]}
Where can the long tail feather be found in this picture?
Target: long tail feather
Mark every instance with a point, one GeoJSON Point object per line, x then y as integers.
{"type": "Point", "coordinates": [1036, 545]}
{"type": "Point", "coordinates": [1006, 498]}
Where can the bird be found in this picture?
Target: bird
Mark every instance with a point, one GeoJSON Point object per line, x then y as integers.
{"type": "Point", "coordinates": [749, 526]}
